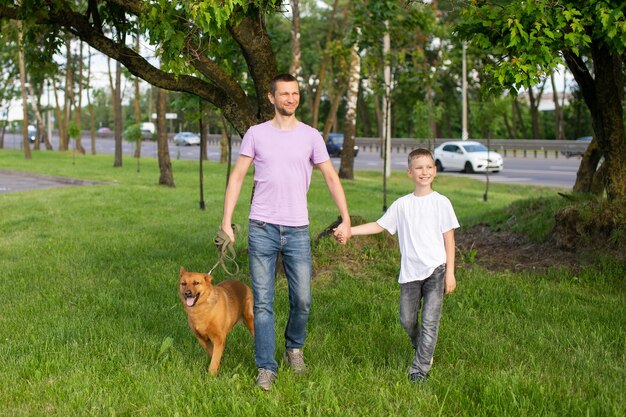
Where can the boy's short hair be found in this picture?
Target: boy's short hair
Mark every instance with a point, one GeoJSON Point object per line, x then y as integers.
{"type": "Point", "coordinates": [416, 153]}
{"type": "Point", "coordinates": [281, 78]}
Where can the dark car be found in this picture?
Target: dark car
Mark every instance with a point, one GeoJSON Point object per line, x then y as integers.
{"type": "Point", "coordinates": [32, 134]}
{"type": "Point", "coordinates": [334, 145]}
{"type": "Point", "coordinates": [578, 147]}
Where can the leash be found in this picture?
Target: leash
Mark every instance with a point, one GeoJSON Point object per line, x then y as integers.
{"type": "Point", "coordinates": [226, 251]}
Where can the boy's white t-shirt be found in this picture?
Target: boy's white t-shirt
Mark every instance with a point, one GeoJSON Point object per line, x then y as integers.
{"type": "Point", "coordinates": [420, 223]}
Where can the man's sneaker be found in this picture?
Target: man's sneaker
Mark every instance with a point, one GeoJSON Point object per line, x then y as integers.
{"type": "Point", "coordinates": [418, 377]}
{"type": "Point", "coordinates": [295, 359]}
{"type": "Point", "coordinates": [265, 379]}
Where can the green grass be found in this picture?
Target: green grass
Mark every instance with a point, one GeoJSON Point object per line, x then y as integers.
{"type": "Point", "coordinates": [91, 323]}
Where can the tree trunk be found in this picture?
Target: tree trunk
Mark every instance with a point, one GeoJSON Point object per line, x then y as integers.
{"type": "Point", "coordinates": [534, 109]}
{"type": "Point", "coordinates": [136, 107]}
{"type": "Point", "coordinates": [41, 127]}
{"type": "Point", "coordinates": [137, 110]}
{"type": "Point", "coordinates": [296, 64]}
{"type": "Point", "coordinates": [365, 121]}
{"type": "Point", "coordinates": [116, 95]}
{"type": "Point", "coordinates": [78, 108]}
{"type": "Point", "coordinates": [517, 113]}
{"type": "Point", "coordinates": [325, 60]}
{"type": "Point", "coordinates": [165, 164]}
{"type": "Point", "coordinates": [587, 169]}
{"type": "Point", "coordinates": [68, 97]}
{"type": "Point", "coordinates": [224, 142]}
{"type": "Point", "coordinates": [20, 46]}
{"type": "Point", "coordinates": [604, 96]}
{"type": "Point", "coordinates": [559, 134]}
{"type": "Point", "coordinates": [59, 114]}
{"type": "Point", "coordinates": [346, 168]}
{"type": "Point", "coordinates": [92, 114]}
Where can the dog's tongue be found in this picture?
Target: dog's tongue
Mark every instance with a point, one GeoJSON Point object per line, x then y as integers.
{"type": "Point", "coordinates": [190, 301]}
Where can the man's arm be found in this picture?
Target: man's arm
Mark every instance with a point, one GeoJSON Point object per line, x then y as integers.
{"type": "Point", "coordinates": [339, 197]}
{"type": "Point", "coordinates": [448, 241]}
{"type": "Point", "coordinates": [233, 190]}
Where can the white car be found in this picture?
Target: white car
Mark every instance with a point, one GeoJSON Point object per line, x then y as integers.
{"type": "Point", "coordinates": [186, 139]}
{"type": "Point", "coordinates": [468, 156]}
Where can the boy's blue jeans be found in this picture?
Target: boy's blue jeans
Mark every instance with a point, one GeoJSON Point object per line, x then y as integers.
{"type": "Point", "coordinates": [265, 242]}
{"type": "Point", "coordinates": [426, 295]}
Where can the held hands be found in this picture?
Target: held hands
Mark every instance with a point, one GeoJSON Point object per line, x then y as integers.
{"type": "Point", "coordinates": [342, 233]}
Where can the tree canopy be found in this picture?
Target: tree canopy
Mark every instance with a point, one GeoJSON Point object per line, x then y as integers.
{"type": "Point", "coordinates": [199, 45]}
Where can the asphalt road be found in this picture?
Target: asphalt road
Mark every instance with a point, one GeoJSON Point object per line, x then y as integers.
{"type": "Point", "coordinates": [550, 171]}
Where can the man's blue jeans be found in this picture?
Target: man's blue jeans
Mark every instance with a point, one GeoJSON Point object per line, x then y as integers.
{"type": "Point", "coordinates": [427, 294]}
{"type": "Point", "coordinates": [265, 242]}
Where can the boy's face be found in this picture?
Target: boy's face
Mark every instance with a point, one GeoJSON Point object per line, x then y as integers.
{"type": "Point", "coordinates": [422, 170]}
{"type": "Point", "coordinates": [286, 97]}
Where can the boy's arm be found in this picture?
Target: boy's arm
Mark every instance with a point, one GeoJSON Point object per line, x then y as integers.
{"type": "Point", "coordinates": [360, 230]}
{"type": "Point", "coordinates": [366, 229]}
{"type": "Point", "coordinates": [448, 241]}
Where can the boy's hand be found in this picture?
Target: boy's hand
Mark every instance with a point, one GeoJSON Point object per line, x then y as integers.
{"type": "Point", "coordinates": [340, 234]}
{"type": "Point", "coordinates": [450, 282]}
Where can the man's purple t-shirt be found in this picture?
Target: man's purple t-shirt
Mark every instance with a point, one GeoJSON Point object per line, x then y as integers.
{"type": "Point", "coordinates": [283, 163]}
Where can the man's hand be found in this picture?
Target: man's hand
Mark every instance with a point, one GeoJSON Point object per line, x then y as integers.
{"type": "Point", "coordinates": [343, 233]}
{"type": "Point", "coordinates": [228, 229]}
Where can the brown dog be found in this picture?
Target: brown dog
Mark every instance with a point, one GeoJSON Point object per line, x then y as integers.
{"type": "Point", "coordinates": [213, 310]}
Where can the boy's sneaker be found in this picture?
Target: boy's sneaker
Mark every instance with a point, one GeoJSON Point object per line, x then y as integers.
{"type": "Point", "coordinates": [295, 359]}
{"type": "Point", "coordinates": [265, 379]}
{"type": "Point", "coordinates": [418, 377]}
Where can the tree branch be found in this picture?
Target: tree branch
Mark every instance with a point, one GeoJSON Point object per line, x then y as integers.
{"type": "Point", "coordinates": [250, 35]}
{"type": "Point", "coordinates": [582, 76]}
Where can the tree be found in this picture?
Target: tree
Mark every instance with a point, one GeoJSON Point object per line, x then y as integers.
{"type": "Point", "coordinates": [532, 38]}
{"type": "Point", "coordinates": [116, 93]}
{"type": "Point", "coordinates": [20, 46]}
{"type": "Point", "coordinates": [165, 164]}
{"type": "Point", "coordinates": [191, 38]}
{"type": "Point", "coordinates": [296, 65]}
{"type": "Point", "coordinates": [9, 72]}
{"type": "Point", "coordinates": [346, 169]}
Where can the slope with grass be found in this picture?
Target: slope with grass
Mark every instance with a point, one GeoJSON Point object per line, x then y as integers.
{"type": "Point", "coordinates": [91, 323]}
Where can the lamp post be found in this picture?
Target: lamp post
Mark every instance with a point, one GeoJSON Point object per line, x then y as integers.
{"type": "Point", "coordinates": [464, 133]}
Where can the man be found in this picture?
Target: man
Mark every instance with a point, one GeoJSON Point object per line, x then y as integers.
{"type": "Point", "coordinates": [284, 152]}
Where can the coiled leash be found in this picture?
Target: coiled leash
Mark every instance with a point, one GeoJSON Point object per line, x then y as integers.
{"type": "Point", "coordinates": [226, 251]}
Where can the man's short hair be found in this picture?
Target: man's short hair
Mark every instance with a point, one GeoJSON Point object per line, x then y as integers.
{"type": "Point", "coordinates": [416, 153]}
{"type": "Point", "coordinates": [280, 78]}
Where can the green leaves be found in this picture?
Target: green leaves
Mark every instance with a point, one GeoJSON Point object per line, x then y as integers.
{"type": "Point", "coordinates": [528, 38]}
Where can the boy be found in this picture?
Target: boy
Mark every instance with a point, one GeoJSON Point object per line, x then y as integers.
{"type": "Point", "coordinates": [425, 222]}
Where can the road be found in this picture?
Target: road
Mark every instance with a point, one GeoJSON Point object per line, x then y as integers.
{"type": "Point", "coordinates": [553, 172]}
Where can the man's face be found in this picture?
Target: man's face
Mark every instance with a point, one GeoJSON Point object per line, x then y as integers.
{"type": "Point", "coordinates": [286, 97]}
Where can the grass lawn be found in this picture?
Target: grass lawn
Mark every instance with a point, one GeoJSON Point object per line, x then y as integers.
{"type": "Point", "coordinates": [91, 323]}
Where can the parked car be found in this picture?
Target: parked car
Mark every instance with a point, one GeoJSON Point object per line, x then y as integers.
{"type": "Point", "coordinates": [186, 139]}
{"type": "Point", "coordinates": [468, 156]}
{"type": "Point", "coordinates": [580, 146]}
{"type": "Point", "coordinates": [334, 145]}
{"type": "Point", "coordinates": [32, 134]}
{"type": "Point", "coordinates": [104, 131]}
{"type": "Point", "coordinates": [146, 134]}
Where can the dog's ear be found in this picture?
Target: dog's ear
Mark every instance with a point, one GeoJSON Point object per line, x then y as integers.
{"type": "Point", "coordinates": [182, 271]}
{"type": "Point", "coordinates": [208, 278]}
